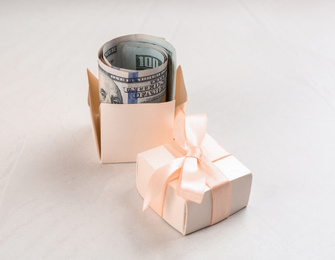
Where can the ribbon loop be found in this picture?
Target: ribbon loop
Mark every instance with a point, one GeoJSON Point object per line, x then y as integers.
{"type": "Point", "coordinates": [195, 129]}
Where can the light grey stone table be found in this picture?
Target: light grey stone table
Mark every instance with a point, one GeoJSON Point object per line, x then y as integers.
{"type": "Point", "coordinates": [263, 71]}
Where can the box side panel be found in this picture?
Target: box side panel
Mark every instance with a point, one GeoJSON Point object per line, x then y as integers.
{"type": "Point", "coordinates": [199, 215]}
{"type": "Point", "coordinates": [240, 189]}
{"type": "Point", "coordinates": [143, 173]}
{"type": "Point", "coordinates": [240, 178]}
{"type": "Point", "coordinates": [129, 129]}
{"type": "Point", "coordinates": [174, 208]}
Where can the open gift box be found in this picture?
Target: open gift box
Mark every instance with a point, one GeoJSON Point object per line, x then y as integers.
{"type": "Point", "coordinates": [121, 131]}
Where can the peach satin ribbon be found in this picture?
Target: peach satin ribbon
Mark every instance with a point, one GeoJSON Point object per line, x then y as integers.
{"type": "Point", "coordinates": [193, 169]}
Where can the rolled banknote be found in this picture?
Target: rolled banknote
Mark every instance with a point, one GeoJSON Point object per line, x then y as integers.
{"type": "Point", "coordinates": [136, 69]}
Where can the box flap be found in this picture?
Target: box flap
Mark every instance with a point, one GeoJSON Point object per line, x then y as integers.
{"type": "Point", "coordinates": [181, 94]}
{"type": "Point", "coordinates": [94, 103]}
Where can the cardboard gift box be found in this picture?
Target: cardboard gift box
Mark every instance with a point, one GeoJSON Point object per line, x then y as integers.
{"type": "Point", "coordinates": [158, 169]}
{"type": "Point", "coordinates": [121, 131]}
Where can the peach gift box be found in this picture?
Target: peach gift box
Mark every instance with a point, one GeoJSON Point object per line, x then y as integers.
{"type": "Point", "coordinates": [186, 216]}
{"type": "Point", "coordinates": [121, 131]}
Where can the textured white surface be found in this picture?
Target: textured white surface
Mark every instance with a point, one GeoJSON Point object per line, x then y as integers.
{"type": "Point", "coordinates": [264, 71]}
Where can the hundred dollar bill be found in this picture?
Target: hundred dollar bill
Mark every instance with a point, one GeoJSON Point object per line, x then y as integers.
{"type": "Point", "coordinates": [136, 69]}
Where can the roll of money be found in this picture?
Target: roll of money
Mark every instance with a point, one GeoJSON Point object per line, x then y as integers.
{"type": "Point", "coordinates": [136, 69]}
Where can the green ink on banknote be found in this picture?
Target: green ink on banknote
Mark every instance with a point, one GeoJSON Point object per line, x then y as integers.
{"type": "Point", "coordinates": [144, 62]}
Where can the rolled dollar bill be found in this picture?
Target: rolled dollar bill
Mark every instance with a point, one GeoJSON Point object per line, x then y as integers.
{"type": "Point", "coordinates": [136, 69]}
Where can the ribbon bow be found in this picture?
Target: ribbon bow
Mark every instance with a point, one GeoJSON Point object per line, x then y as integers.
{"type": "Point", "coordinates": [194, 170]}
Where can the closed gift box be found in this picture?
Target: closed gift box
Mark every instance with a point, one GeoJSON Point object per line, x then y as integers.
{"type": "Point", "coordinates": [186, 216]}
{"type": "Point", "coordinates": [121, 131]}
{"type": "Point", "coordinates": [192, 182]}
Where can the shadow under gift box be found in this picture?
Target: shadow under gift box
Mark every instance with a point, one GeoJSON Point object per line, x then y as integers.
{"type": "Point", "coordinates": [121, 131]}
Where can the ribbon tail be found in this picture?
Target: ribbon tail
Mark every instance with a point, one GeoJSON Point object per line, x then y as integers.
{"type": "Point", "coordinates": [155, 191]}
